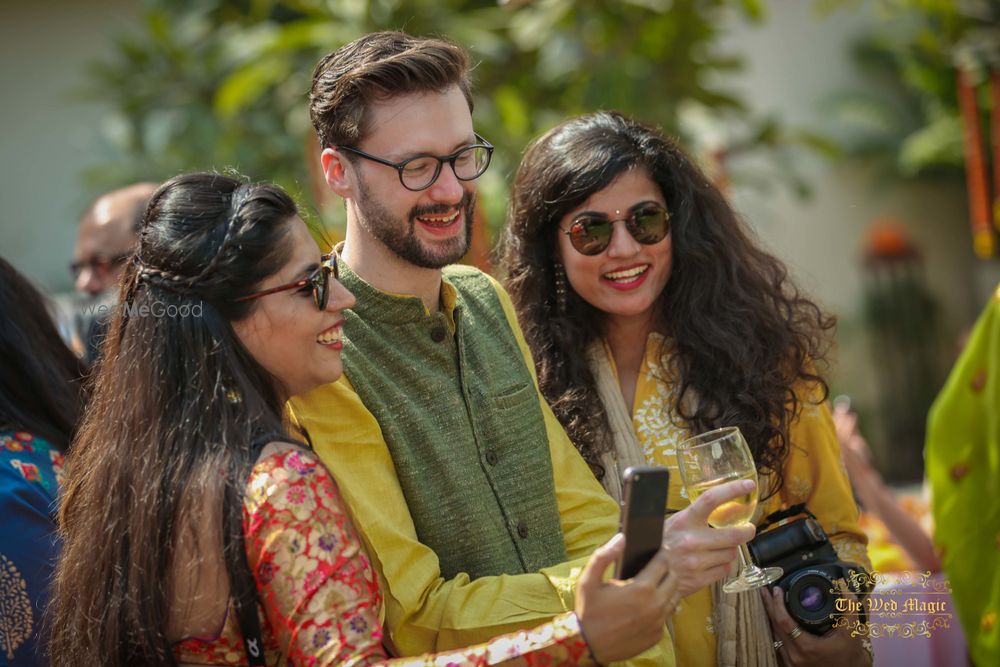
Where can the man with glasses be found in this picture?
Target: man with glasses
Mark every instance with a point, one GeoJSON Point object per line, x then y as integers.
{"type": "Point", "coordinates": [476, 509]}
{"type": "Point", "coordinates": [106, 237]}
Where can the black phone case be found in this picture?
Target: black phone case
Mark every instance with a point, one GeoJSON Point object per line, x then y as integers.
{"type": "Point", "coordinates": [643, 509]}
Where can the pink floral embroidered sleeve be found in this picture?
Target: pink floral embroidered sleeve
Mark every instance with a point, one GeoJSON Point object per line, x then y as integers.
{"type": "Point", "coordinates": [319, 597]}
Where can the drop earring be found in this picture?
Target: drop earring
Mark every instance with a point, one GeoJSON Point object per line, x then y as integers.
{"type": "Point", "coordinates": [559, 276]}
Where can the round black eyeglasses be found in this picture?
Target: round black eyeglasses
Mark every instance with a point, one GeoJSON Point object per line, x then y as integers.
{"type": "Point", "coordinates": [421, 171]}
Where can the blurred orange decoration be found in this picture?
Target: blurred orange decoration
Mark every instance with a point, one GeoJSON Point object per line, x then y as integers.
{"type": "Point", "coordinates": [887, 239]}
{"type": "Point", "coordinates": [886, 554]}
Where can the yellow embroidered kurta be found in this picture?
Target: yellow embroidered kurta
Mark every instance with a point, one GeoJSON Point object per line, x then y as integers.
{"type": "Point", "coordinates": [814, 473]}
{"type": "Point", "coordinates": [424, 612]}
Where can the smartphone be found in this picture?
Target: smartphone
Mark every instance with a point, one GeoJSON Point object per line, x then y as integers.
{"type": "Point", "coordinates": [643, 508]}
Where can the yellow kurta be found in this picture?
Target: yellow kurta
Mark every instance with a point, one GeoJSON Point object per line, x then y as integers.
{"type": "Point", "coordinates": [814, 473]}
{"type": "Point", "coordinates": [424, 612]}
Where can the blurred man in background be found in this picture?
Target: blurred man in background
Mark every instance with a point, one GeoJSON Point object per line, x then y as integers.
{"type": "Point", "coordinates": [106, 237]}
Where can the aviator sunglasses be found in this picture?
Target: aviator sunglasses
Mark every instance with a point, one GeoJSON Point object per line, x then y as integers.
{"type": "Point", "coordinates": [590, 233]}
{"type": "Point", "coordinates": [318, 282]}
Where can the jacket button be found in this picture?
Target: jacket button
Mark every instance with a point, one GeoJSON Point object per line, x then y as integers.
{"type": "Point", "coordinates": [492, 458]}
{"type": "Point", "coordinates": [522, 529]}
{"type": "Point", "coordinates": [438, 334]}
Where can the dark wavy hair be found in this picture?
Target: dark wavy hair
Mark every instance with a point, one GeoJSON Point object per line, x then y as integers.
{"type": "Point", "coordinates": [378, 66]}
{"type": "Point", "coordinates": [745, 338]}
{"type": "Point", "coordinates": [40, 378]}
{"type": "Point", "coordinates": [168, 434]}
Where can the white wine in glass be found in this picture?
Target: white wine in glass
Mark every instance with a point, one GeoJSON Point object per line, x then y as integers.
{"type": "Point", "coordinates": [734, 512]}
{"type": "Point", "coordinates": [715, 458]}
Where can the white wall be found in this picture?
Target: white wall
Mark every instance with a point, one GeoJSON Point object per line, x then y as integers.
{"type": "Point", "coordinates": [49, 135]}
{"type": "Point", "coordinates": [796, 61]}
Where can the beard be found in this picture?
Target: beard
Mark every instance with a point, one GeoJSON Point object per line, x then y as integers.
{"type": "Point", "coordinates": [401, 238]}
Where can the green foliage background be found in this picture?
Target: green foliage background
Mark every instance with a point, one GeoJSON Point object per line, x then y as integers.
{"type": "Point", "coordinates": [911, 121]}
{"type": "Point", "coordinates": [223, 83]}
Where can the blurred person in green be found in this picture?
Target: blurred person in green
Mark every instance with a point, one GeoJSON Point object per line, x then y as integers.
{"type": "Point", "coordinates": [963, 466]}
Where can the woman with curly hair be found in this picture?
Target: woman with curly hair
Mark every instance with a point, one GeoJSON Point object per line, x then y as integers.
{"type": "Point", "coordinates": [653, 315]}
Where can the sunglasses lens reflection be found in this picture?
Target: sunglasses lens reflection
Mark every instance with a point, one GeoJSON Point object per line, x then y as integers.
{"type": "Point", "coordinates": [590, 236]}
{"type": "Point", "coordinates": [649, 225]}
{"type": "Point", "coordinates": [321, 281]}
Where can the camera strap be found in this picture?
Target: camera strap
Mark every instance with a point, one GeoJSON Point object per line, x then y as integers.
{"type": "Point", "coordinates": [781, 515]}
{"type": "Point", "coordinates": [245, 598]}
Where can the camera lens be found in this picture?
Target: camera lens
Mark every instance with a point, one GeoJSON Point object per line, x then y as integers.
{"type": "Point", "coordinates": [811, 597]}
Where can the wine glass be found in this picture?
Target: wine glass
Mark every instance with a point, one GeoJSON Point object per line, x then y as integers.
{"type": "Point", "coordinates": [714, 458]}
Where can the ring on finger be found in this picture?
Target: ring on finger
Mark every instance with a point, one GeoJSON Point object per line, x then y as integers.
{"type": "Point", "coordinates": [794, 634]}
{"type": "Point", "coordinates": [778, 644]}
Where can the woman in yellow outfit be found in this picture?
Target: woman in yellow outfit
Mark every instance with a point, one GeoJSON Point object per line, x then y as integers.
{"type": "Point", "coordinates": [653, 315]}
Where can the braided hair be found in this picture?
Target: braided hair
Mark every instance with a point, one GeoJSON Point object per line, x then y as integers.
{"type": "Point", "coordinates": [177, 402]}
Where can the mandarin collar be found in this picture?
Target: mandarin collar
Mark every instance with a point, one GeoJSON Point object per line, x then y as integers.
{"type": "Point", "coordinates": [375, 305]}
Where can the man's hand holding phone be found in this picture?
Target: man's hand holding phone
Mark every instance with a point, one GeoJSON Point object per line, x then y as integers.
{"type": "Point", "coordinates": [622, 618]}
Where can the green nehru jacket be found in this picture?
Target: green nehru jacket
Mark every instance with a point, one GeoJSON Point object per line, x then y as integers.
{"type": "Point", "coordinates": [459, 412]}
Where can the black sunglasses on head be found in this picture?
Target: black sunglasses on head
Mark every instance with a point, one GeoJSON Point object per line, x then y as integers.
{"type": "Point", "coordinates": [590, 233]}
{"type": "Point", "coordinates": [318, 281]}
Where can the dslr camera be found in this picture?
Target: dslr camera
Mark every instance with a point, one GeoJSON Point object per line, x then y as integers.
{"type": "Point", "coordinates": [810, 567]}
